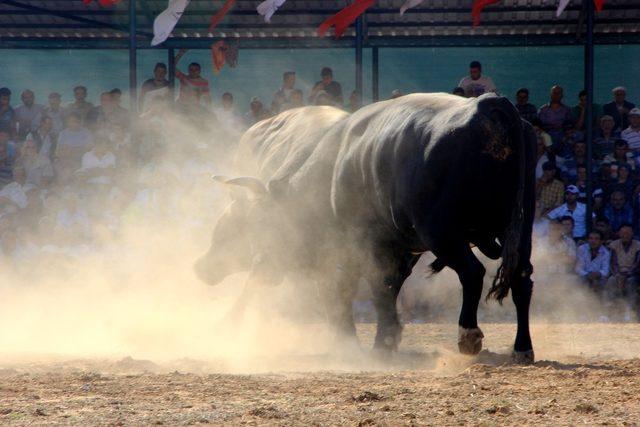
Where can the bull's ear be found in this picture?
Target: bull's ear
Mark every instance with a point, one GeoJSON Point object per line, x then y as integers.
{"type": "Point", "coordinates": [254, 185]}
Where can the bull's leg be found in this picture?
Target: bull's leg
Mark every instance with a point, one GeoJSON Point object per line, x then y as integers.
{"type": "Point", "coordinates": [471, 274]}
{"type": "Point", "coordinates": [385, 288]}
{"type": "Point", "coordinates": [521, 294]}
{"type": "Point", "coordinates": [337, 292]}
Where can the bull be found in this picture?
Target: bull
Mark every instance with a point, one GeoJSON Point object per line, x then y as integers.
{"type": "Point", "coordinates": [424, 172]}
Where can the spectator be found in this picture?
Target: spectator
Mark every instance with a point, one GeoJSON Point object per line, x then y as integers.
{"type": "Point", "coordinates": [561, 246]}
{"type": "Point", "coordinates": [619, 108]}
{"type": "Point", "coordinates": [193, 87]}
{"type": "Point", "coordinates": [226, 113]}
{"type": "Point", "coordinates": [570, 162]}
{"type": "Point", "coordinates": [73, 142]}
{"type": "Point", "coordinates": [554, 114]}
{"type": "Point", "coordinates": [457, 91]}
{"type": "Point", "coordinates": [27, 113]}
{"type": "Point", "coordinates": [297, 99]}
{"type": "Point", "coordinates": [101, 116]}
{"type": "Point", "coordinates": [80, 106]}
{"type": "Point", "coordinates": [618, 212]}
{"type": "Point", "coordinates": [37, 166]}
{"type": "Point", "coordinates": [602, 225]}
{"type": "Point", "coordinates": [606, 138]}
{"type": "Point", "coordinates": [579, 112]}
{"type": "Point", "coordinates": [623, 182]}
{"type": "Point", "coordinates": [7, 114]}
{"type": "Point", "coordinates": [323, 98]}
{"type": "Point", "coordinates": [120, 114]}
{"type": "Point", "coordinates": [98, 165]}
{"type": "Point", "coordinates": [7, 158]}
{"type": "Point", "coordinates": [285, 92]}
{"type": "Point", "coordinates": [594, 262]}
{"type": "Point", "coordinates": [527, 110]}
{"type": "Point", "coordinates": [475, 84]}
{"type": "Point", "coordinates": [542, 155]}
{"type": "Point", "coordinates": [625, 255]}
{"type": "Point", "coordinates": [632, 133]}
{"type": "Point", "coordinates": [621, 155]}
{"type": "Point", "coordinates": [13, 196]}
{"type": "Point", "coordinates": [581, 182]}
{"type": "Point", "coordinates": [55, 112]}
{"type": "Point", "coordinates": [73, 224]}
{"type": "Point", "coordinates": [549, 190]}
{"type": "Point", "coordinates": [598, 202]}
{"type": "Point", "coordinates": [256, 112]}
{"type": "Point", "coordinates": [574, 209]}
{"type": "Point", "coordinates": [278, 105]}
{"type": "Point", "coordinates": [157, 86]}
{"type": "Point", "coordinates": [354, 102]}
{"type": "Point", "coordinates": [44, 137]}
{"type": "Point", "coordinates": [332, 89]}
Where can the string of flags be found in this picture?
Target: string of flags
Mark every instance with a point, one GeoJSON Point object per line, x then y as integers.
{"type": "Point", "coordinates": [167, 20]}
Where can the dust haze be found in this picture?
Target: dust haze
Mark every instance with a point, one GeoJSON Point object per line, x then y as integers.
{"type": "Point", "coordinates": [133, 293]}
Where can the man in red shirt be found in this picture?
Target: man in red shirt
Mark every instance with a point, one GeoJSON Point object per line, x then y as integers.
{"type": "Point", "coordinates": [193, 87]}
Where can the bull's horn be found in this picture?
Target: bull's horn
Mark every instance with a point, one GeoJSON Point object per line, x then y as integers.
{"type": "Point", "coordinates": [253, 184]}
{"type": "Point", "coordinates": [220, 178]}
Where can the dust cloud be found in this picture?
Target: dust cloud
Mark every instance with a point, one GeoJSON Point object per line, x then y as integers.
{"type": "Point", "coordinates": [133, 292]}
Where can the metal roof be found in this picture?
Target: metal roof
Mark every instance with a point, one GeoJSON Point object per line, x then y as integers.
{"type": "Point", "coordinates": [69, 23]}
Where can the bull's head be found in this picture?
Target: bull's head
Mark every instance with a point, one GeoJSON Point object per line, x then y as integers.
{"type": "Point", "coordinates": [248, 236]}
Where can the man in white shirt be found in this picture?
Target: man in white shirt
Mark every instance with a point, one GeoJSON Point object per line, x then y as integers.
{"type": "Point", "coordinates": [594, 262]}
{"type": "Point", "coordinates": [632, 133]}
{"type": "Point", "coordinates": [14, 196]}
{"type": "Point", "coordinates": [475, 84]}
{"type": "Point", "coordinates": [98, 165]}
{"type": "Point", "coordinates": [574, 209]}
{"type": "Point", "coordinates": [27, 113]}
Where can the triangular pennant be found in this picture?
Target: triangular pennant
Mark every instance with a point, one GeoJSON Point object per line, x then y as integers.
{"type": "Point", "coordinates": [167, 20]}
{"type": "Point", "coordinates": [268, 7]}
{"type": "Point", "coordinates": [344, 18]}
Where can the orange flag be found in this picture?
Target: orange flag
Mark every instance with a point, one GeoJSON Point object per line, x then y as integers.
{"type": "Point", "coordinates": [215, 19]}
{"type": "Point", "coordinates": [344, 18]}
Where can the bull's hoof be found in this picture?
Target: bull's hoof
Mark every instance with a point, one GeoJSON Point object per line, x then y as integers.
{"type": "Point", "coordinates": [470, 340]}
{"type": "Point", "coordinates": [388, 340]}
{"type": "Point", "coordinates": [523, 357]}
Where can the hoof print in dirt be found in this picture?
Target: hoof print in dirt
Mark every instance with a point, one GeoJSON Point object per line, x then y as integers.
{"type": "Point", "coordinates": [367, 396]}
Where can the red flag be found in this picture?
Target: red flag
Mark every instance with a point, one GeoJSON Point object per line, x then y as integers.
{"type": "Point", "coordinates": [215, 19]}
{"type": "Point", "coordinates": [103, 3]}
{"type": "Point", "coordinates": [344, 18]}
{"type": "Point", "coordinates": [478, 5]}
{"type": "Point", "coordinates": [599, 4]}
{"type": "Point", "coordinates": [218, 55]}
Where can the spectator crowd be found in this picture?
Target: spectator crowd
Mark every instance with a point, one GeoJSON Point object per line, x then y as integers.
{"type": "Point", "coordinates": [70, 169]}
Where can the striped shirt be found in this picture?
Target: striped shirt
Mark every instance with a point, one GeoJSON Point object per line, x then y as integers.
{"type": "Point", "coordinates": [632, 136]}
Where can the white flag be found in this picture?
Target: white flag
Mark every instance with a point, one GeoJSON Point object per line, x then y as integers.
{"type": "Point", "coordinates": [561, 7]}
{"type": "Point", "coordinates": [268, 7]}
{"type": "Point", "coordinates": [409, 4]}
{"type": "Point", "coordinates": [167, 20]}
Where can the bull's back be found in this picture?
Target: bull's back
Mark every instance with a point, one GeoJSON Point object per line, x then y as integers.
{"type": "Point", "coordinates": [275, 148]}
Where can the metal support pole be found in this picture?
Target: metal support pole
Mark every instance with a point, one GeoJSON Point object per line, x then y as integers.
{"type": "Point", "coordinates": [588, 85]}
{"type": "Point", "coordinates": [375, 80]}
{"type": "Point", "coordinates": [133, 59]}
{"type": "Point", "coordinates": [171, 65]}
{"type": "Point", "coordinates": [359, 44]}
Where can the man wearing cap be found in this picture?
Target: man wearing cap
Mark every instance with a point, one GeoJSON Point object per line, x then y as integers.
{"type": "Point", "coordinates": [475, 84]}
{"type": "Point", "coordinates": [625, 257]}
{"type": "Point", "coordinates": [632, 133]}
{"type": "Point", "coordinates": [330, 86]}
{"type": "Point", "coordinates": [574, 209]}
{"type": "Point", "coordinates": [619, 108]}
{"type": "Point", "coordinates": [549, 190]}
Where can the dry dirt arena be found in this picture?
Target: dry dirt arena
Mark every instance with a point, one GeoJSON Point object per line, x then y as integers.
{"type": "Point", "coordinates": [585, 374]}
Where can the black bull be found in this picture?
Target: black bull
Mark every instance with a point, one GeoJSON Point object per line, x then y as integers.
{"type": "Point", "coordinates": [363, 195]}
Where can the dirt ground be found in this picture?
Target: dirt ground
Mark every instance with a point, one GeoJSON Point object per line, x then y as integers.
{"type": "Point", "coordinates": [585, 374]}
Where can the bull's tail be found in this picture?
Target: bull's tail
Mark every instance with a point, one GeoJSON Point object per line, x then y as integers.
{"type": "Point", "coordinates": [508, 269]}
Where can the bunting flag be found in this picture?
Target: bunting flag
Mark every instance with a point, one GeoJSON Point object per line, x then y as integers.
{"type": "Point", "coordinates": [478, 5]}
{"type": "Point", "coordinates": [167, 20]}
{"type": "Point", "coordinates": [103, 3]}
{"type": "Point", "coordinates": [215, 19]}
{"type": "Point", "coordinates": [564, 3]}
{"type": "Point", "coordinates": [268, 7]}
{"type": "Point", "coordinates": [222, 53]}
{"type": "Point", "coordinates": [344, 18]}
{"type": "Point", "coordinates": [409, 4]}
{"type": "Point", "coordinates": [561, 7]}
